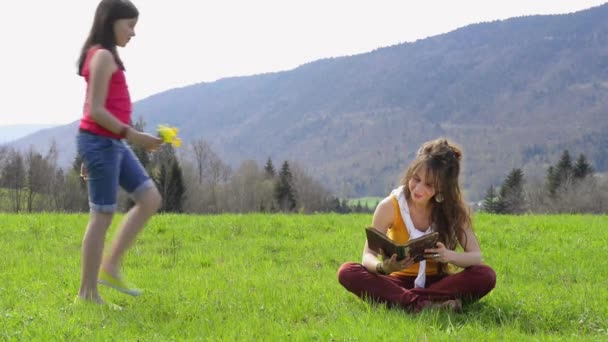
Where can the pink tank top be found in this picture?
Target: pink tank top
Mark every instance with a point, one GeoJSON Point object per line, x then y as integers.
{"type": "Point", "coordinates": [118, 101]}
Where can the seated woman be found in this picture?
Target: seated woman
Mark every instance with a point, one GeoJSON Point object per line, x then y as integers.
{"type": "Point", "coordinates": [429, 199]}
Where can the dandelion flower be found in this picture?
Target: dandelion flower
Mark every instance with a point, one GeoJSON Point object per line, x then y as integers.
{"type": "Point", "coordinates": [169, 135]}
{"type": "Point", "coordinates": [177, 142]}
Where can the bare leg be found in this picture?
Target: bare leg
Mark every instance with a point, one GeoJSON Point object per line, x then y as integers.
{"type": "Point", "coordinates": [92, 251]}
{"type": "Point", "coordinates": [146, 205]}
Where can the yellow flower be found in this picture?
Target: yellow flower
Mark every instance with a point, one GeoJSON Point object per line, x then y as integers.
{"type": "Point", "coordinates": [169, 135]}
{"type": "Point", "coordinates": [177, 142]}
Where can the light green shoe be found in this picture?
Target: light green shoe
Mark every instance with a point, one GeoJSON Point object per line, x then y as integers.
{"type": "Point", "coordinates": [81, 302]}
{"type": "Point", "coordinates": [107, 279]}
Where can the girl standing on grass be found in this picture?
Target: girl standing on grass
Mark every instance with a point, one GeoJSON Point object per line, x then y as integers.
{"type": "Point", "coordinates": [108, 161]}
{"type": "Point", "coordinates": [429, 199]}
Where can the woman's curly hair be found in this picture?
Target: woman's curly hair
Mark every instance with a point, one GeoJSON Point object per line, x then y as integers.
{"type": "Point", "coordinates": [450, 215]}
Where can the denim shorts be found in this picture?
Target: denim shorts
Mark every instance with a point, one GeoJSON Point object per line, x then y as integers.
{"type": "Point", "coordinates": [110, 163]}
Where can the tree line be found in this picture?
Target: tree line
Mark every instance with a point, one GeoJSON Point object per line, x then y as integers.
{"type": "Point", "coordinates": [192, 179]}
{"type": "Point", "coordinates": [568, 187]}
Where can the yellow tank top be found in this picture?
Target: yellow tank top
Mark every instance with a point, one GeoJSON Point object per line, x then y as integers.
{"type": "Point", "coordinates": [399, 234]}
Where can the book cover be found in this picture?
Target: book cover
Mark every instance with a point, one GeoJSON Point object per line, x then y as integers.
{"type": "Point", "coordinates": [413, 248]}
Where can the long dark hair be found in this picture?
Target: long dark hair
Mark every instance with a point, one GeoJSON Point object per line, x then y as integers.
{"type": "Point", "coordinates": [102, 31]}
{"type": "Point", "coordinates": [450, 215]}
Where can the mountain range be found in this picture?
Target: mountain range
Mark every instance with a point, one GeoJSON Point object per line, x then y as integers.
{"type": "Point", "coordinates": [13, 132]}
{"type": "Point", "coordinates": [513, 93]}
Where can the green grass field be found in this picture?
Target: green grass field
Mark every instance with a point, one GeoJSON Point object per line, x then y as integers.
{"type": "Point", "coordinates": [273, 277]}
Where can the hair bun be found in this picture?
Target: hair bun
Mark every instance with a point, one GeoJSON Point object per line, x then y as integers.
{"type": "Point", "coordinates": [456, 152]}
{"type": "Point", "coordinates": [441, 148]}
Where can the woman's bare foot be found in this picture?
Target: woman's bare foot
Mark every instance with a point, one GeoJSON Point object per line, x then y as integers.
{"type": "Point", "coordinates": [89, 299]}
{"type": "Point", "coordinates": [451, 305]}
{"type": "Point", "coordinates": [96, 302]}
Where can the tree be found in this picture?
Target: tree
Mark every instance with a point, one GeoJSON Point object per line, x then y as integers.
{"type": "Point", "coordinates": [552, 181]}
{"type": "Point", "coordinates": [168, 177]}
{"type": "Point", "coordinates": [52, 155]}
{"type": "Point", "coordinates": [582, 168]}
{"type": "Point", "coordinates": [57, 191]}
{"type": "Point", "coordinates": [206, 176]}
{"type": "Point", "coordinates": [49, 188]}
{"type": "Point", "coordinates": [269, 169]}
{"type": "Point", "coordinates": [77, 168]}
{"type": "Point", "coordinates": [560, 174]}
{"type": "Point", "coordinates": [219, 173]}
{"type": "Point", "coordinates": [284, 192]}
{"type": "Point", "coordinates": [512, 194]}
{"type": "Point", "coordinates": [3, 155]}
{"type": "Point", "coordinates": [36, 177]}
{"type": "Point", "coordinates": [491, 202]}
{"type": "Point", "coordinates": [334, 205]}
{"type": "Point", "coordinates": [77, 196]}
{"type": "Point", "coordinates": [358, 207]}
{"type": "Point", "coordinates": [13, 178]}
{"type": "Point", "coordinates": [140, 152]}
{"type": "Point", "coordinates": [177, 187]}
{"type": "Point", "coordinates": [246, 190]}
{"type": "Point", "coordinates": [345, 208]}
{"type": "Point", "coordinates": [564, 167]}
{"type": "Point", "coordinates": [203, 154]}
{"type": "Point", "coordinates": [310, 195]}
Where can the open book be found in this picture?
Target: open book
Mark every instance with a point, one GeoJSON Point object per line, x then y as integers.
{"type": "Point", "coordinates": [413, 248]}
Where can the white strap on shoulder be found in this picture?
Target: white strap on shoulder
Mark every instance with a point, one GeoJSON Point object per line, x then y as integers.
{"type": "Point", "coordinates": [412, 231]}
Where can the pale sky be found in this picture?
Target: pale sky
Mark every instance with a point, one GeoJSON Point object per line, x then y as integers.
{"type": "Point", "coordinates": [182, 42]}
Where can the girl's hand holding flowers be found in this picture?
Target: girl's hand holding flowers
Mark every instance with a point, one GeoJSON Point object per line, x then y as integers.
{"type": "Point", "coordinates": [145, 140]}
{"type": "Point", "coordinates": [169, 135]}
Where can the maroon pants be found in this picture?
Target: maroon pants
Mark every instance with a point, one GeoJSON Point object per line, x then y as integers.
{"type": "Point", "coordinates": [470, 284]}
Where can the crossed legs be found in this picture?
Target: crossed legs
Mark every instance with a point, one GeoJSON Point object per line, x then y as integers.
{"type": "Point", "coordinates": [471, 284]}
